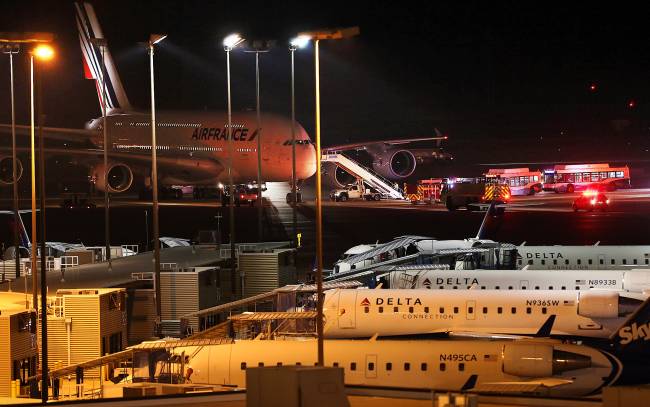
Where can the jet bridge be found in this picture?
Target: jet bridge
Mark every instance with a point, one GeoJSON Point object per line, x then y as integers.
{"type": "Point", "coordinates": [368, 176]}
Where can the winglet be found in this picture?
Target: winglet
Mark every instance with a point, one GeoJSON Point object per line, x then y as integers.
{"type": "Point", "coordinates": [470, 383]}
{"type": "Point", "coordinates": [545, 330]}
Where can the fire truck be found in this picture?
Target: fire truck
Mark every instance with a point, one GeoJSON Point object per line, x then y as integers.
{"type": "Point", "coordinates": [474, 193]}
{"type": "Point", "coordinates": [426, 191]}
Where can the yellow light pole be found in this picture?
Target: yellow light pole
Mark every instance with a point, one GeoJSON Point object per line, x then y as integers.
{"type": "Point", "coordinates": [42, 53]}
{"type": "Point", "coordinates": [336, 34]}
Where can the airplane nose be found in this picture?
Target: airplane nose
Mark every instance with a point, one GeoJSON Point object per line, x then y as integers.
{"type": "Point", "coordinates": [306, 165]}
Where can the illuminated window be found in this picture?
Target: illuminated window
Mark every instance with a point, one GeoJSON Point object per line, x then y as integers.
{"type": "Point", "coordinates": [389, 366]}
{"type": "Point", "coordinates": [407, 366]}
{"type": "Point", "coordinates": [443, 367]}
{"type": "Point", "coordinates": [353, 366]}
{"type": "Point", "coordinates": [243, 366]}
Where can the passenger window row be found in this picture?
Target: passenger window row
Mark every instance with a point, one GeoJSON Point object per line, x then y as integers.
{"type": "Point", "coordinates": [589, 261]}
{"type": "Point", "coordinates": [456, 310]}
{"type": "Point", "coordinates": [371, 366]}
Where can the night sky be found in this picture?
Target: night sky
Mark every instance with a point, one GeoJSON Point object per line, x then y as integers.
{"type": "Point", "coordinates": [507, 81]}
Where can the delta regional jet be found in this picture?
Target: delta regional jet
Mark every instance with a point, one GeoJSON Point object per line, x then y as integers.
{"type": "Point", "coordinates": [192, 146]}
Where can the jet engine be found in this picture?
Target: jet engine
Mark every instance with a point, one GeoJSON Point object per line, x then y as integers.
{"type": "Point", "coordinates": [393, 164]}
{"type": "Point", "coordinates": [119, 179]}
{"type": "Point", "coordinates": [6, 170]}
{"type": "Point", "coordinates": [598, 304]}
{"type": "Point", "coordinates": [537, 360]}
{"type": "Point", "coordinates": [337, 177]}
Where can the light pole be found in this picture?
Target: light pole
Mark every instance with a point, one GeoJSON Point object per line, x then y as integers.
{"type": "Point", "coordinates": [12, 49]}
{"type": "Point", "coordinates": [153, 40]}
{"type": "Point", "coordinates": [317, 36]}
{"type": "Point", "coordinates": [101, 44]}
{"type": "Point", "coordinates": [229, 43]}
{"type": "Point", "coordinates": [259, 46]}
{"type": "Point", "coordinates": [296, 43]}
{"type": "Point", "coordinates": [43, 53]}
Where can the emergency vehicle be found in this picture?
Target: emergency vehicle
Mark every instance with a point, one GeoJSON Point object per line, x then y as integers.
{"type": "Point", "coordinates": [522, 181]}
{"type": "Point", "coordinates": [426, 191]}
{"type": "Point", "coordinates": [474, 193]}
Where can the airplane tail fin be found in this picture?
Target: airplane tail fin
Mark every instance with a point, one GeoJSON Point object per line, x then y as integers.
{"type": "Point", "coordinates": [89, 28]}
{"type": "Point", "coordinates": [633, 336]}
{"type": "Point", "coordinates": [481, 230]}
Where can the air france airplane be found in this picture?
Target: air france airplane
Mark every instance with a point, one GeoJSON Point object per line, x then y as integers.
{"type": "Point", "coordinates": [351, 313]}
{"type": "Point", "coordinates": [515, 366]}
{"type": "Point", "coordinates": [630, 281]}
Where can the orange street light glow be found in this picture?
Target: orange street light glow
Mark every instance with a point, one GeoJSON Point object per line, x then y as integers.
{"type": "Point", "coordinates": [44, 52]}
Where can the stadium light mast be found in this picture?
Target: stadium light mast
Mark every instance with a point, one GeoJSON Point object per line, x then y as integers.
{"type": "Point", "coordinates": [230, 43]}
{"type": "Point", "coordinates": [317, 36]}
{"type": "Point", "coordinates": [294, 44]}
{"type": "Point", "coordinates": [153, 40]}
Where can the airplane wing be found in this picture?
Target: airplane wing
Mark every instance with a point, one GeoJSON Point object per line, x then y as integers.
{"type": "Point", "coordinates": [394, 142]}
{"type": "Point", "coordinates": [529, 387]}
{"type": "Point", "coordinates": [56, 133]}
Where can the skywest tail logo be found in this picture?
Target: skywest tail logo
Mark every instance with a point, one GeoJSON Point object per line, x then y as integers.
{"type": "Point", "coordinates": [634, 332]}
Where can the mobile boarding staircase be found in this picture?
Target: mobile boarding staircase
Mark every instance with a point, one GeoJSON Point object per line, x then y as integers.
{"type": "Point", "coordinates": [368, 176]}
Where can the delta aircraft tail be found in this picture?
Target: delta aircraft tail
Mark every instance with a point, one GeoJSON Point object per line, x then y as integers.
{"type": "Point", "coordinates": [89, 29]}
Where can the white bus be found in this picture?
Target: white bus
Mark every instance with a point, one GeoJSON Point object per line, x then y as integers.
{"type": "Point", "coordinates": [522, 181]}
{"type": "Point", "coordinates": [578, 177]}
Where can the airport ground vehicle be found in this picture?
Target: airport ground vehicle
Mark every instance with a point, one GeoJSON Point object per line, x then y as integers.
{"type": "Point", "coordinates": [426, 191]}
{"type": "Point", "coordinates": [75, 202]}
{"type": "Point", "coordinates": [472, 192]}
{"type": "Point", "coordinates": [355, 191]}
{"type": "Point", "coordinates": [591, 200]}
{"type": "Point", "coordinates": [522, 181]}
{"type": "Point", "coordinates": [578, 177]}
{"type": "Point", "coordinates": [243, 194]}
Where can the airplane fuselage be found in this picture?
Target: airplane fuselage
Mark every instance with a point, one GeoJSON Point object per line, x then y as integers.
{"type": "Point", "coordinates": [353, 313]}
{"type": "Point", "coordinates": [193, 147]}
{"type": "Point", "coordinates": [413, 364]}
